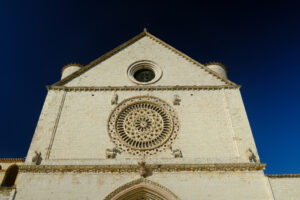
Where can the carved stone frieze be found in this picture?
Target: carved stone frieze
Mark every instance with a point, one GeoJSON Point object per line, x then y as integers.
{"type": "Point", "coordinates": [141, 88]}
{"type": "Point", "coordinates": [136, 168]}
{"type": "Point", "coordinates": [283, 175]}
{"type": "Point", "coordinates": [9, 160]}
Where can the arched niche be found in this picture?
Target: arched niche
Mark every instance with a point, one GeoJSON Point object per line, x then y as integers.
{"type": "Point", "coordinates": [142, 189]}
{"type": "Point", "coordinates": [10, 176]}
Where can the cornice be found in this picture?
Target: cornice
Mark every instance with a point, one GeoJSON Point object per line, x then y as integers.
{"type": "Point", "coordinates": [136, 168]}
{"type": "Point", "coordinates": [9, 160]}
{"type": "Point", "coordinates": [142, 88]}
{"type": "Point", "coordinates": [100, 59]}
{"type": "Point", "coordinates": [283, 175]}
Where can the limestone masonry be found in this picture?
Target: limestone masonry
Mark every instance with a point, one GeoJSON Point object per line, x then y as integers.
{"type": "Point", "coordinates": [143, 122]}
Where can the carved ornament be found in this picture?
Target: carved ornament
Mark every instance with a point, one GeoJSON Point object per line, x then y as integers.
{"type": "Point", "coordinates": [142, 88]}
{"type": "Point", "coordinates": [11, 160]}
{"type": "Point", "coordinates": [283, 175]}
{"type": "Point", "coordinates": [143, 125]}
{"type": "Point", "coordinates": [136, 168]}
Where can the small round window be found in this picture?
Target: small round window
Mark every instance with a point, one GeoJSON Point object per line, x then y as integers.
{"type": "Point", "coordinates": [144, 72]}
{"type": "Point", "coordinates": [144, 75]}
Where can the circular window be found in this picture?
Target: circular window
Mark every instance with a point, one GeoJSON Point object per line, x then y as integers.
{"type": "Point", "coordinates": [144, 75]}
{"type": "Point", "coordinates": [144, 72]}
{"type": "Point", "coordinates": [143, 125]}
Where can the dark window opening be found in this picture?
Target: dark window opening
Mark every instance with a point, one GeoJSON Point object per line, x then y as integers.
{"type": "Point", "coordinates": [144, 75]}
{"type": "Point", "coordinates": [10, 176]}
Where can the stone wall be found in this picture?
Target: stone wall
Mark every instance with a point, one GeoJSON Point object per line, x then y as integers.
{"type": "Point", "coordinates": [213, 126]}
{"type": "Point", "coordinates": [8, 193]}
{"type": "Point", "coordinates": [177, 70]}
{"type": "Point", "coordinates": [285, 187]}
{"type": "Point", "coordinates": [185, 185]}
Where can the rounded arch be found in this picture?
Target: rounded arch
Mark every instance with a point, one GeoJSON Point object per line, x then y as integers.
{"type": "Point", "coordinates": [10, 176]}
{"type": "Point", "coordinates": [141, 189]}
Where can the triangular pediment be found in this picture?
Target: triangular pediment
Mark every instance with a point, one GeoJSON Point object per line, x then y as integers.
{"type": "Point", "coordinates": [111, 69]}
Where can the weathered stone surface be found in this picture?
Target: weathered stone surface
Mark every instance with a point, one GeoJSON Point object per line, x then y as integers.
{"type": "Point", "coordinates": [185, 185]}
{"type": "Point", "coordinates": [287, 187]}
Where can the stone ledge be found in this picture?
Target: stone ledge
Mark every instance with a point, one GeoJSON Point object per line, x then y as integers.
{"type": "Point", "coordinates": [141, 88]}
{"type": "Point", "coordinates": [8, 160]}
{"type": "Point", "coordinates": [283, 175]}
{"type": "Point", "coordinates": [136, 168]}
{"type": "Point", "coordinates": [7, 188]}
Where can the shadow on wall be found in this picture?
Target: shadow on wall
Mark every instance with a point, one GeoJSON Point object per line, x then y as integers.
{"type": "Point", "coordinates": [10, 176]}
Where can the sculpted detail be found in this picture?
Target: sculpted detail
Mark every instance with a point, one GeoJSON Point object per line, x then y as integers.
{"type": "Point", "coordinates": [143, 125]}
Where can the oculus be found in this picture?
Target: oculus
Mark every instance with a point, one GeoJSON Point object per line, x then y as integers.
{"type": "Point", "coordinates": [144, 75]}
{"type": "Point", "coordinates": [144, 72]}
{"type": "Point", "coordinates": [143, 125]}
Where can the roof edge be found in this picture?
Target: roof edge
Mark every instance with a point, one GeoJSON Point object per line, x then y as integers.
{"type": "Point", "coordinates": [100, 59]}
{"type": "Point", "coordinates": [190, 59]}
{"type": "Point", "coordinates": [129, 42]}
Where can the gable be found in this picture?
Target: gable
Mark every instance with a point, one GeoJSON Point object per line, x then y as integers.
{"type": "Point", "coordinates": [111, 69]}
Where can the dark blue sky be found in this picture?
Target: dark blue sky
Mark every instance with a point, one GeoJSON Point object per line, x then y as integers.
{"type": "Point", "coordinates": [259, 43]}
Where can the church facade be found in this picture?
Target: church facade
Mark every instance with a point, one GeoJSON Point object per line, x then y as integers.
{"type": "Point", "coordinates": [143, 122]}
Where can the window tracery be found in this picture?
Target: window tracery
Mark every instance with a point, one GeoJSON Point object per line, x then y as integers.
{"type": "Point", "coordinates": [143, 125]}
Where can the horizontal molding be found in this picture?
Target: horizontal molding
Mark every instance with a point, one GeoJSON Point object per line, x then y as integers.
{"type": "Point", "coordinates": [136, 168]}
{"type": "Point", "coordinates": [283, 175]}
{"type": "Point", "coordinates": [11, 160]}
{"type": "Point", "coordinates": [8, 189]}
{"type": "Point", "coordinates": [141, 88]}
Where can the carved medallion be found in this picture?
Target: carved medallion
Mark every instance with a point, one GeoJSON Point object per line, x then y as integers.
{"type": "Point", "coordinates": [143, 125]}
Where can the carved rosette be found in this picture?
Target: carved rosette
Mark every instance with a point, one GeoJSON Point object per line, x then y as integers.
{"type": "Point", "coordinates": [143, 125]}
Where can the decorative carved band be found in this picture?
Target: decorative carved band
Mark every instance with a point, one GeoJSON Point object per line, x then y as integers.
{"type": "Point", "coordinates": [141, 88]}
{"type": "Point", "coordinates": [136, 168]}
{"type": "Point", "coordinates": [283, 175]}
{"type": "Point", "coordinates": [9, 160]}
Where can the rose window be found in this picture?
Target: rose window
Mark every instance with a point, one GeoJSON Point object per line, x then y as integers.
{"type": "Point", "coordinates": [143, 125]}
